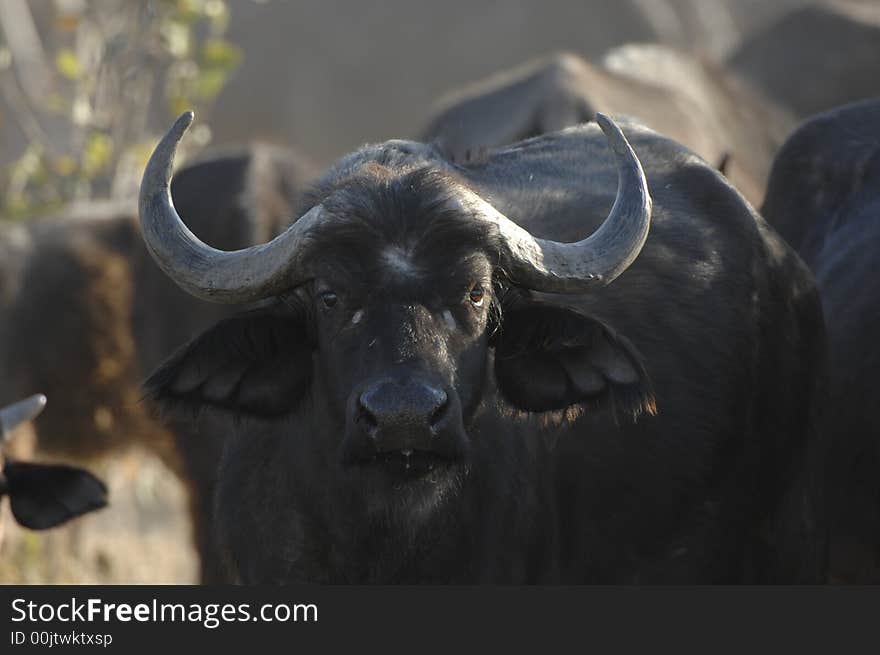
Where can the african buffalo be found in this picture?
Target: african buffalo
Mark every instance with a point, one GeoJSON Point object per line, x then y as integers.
{"type": "Point", "coordinates": [428, 387]}
{"type": "Point", "coordinates": [86, 312]}
{"type": "Point", "coordinates": [824, 198]}
{"type": "Point", "coordinates": [44, 495]}
{"type": "Point", "coordinates": [684, 97]}
{"type": "Point", "coordinates": [815, 57]}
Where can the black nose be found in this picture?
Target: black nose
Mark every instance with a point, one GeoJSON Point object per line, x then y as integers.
{"type": "Point", "coordinates": [400, 416]}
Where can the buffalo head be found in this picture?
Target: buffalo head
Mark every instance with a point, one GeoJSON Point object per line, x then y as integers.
{"type": "Point", "coordinates": [383, 307]}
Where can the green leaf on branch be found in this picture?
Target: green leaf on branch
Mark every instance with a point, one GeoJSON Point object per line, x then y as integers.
{"type": "Point", "coordinates": [67, 64]}
{"type": "Point", "coordinates": [218, 53]}
{"type": "Point", "coordinates": [96, 154]}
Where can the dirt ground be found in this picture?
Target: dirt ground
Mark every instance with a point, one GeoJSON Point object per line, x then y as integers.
{"type": "Point", "coordinates": [141, 537]}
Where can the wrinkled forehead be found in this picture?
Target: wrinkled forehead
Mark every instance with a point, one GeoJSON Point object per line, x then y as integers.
{"type": "Point", "coordinates": [397, 267]}
{"type": "Point", "coordinates": [421, 263]}
{"type": "Point", "coordinates": [401, 228]}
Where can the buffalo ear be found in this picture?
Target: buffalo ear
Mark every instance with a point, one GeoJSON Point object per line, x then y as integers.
{"type": "Point", "coordinates": [45, 495]}
{"type": "Point", "coordinates": [549, 358]}
{"type": "Point", "coordinates": [258, 363]}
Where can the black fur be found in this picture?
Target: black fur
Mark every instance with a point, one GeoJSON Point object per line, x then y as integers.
{"type": "Point", "coordinates": [547, 484]}
{"type": "Point", "coordinates": [824, 198]}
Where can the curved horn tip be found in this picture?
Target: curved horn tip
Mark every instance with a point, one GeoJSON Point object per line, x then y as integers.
{"type": "Point", "coordinates": [183, 122]}
{"type": "Point", "coordinates": [22, 411]}
{"type": "Point", "coordinates": [175, 134]}
{"type": "Point", "coordinates": [612, 132]}
{"type": "Point", "coordinates": [31, 406]}
{"type": "Point", "coordinates": [39, 399]}
{"type": "Point", "coordinates": [157, 174]}
{"type": "Point", "coordinates": [605, 122]}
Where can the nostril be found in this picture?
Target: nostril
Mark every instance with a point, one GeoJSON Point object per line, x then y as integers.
{"type": "Point", "coordinates": [440, 411]}
{"type": "Point", "coordinates": [366, 417]}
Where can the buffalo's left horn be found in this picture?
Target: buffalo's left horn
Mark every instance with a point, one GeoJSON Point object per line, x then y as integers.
{"type": "Point", "coordinates": [18, 413]}
{"type": "Point", "coordinates": [595, 261]}
{"type": "Point", "coordinates": [205, 272]}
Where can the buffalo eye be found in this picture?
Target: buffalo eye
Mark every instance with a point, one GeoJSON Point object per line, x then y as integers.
{"type": "Point", "coordinates": [475, 295]}
{"type": "Point", "coordinates": [328, 299]}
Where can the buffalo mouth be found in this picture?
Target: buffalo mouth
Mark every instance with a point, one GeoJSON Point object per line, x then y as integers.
{"type": "Point", "coordinates": [409, 463]}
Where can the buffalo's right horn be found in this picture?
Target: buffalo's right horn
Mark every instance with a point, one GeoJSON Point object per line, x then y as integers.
{"type": "Point", "coordinates": [20, 412]}
{"type": "Point", "coordinates": [205, 272]}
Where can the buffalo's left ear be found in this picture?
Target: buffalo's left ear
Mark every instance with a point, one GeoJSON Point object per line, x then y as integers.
{"type": "Point", "coordinates": [549, 357]}
{"type": "Point", "coordinates": [45, 495]}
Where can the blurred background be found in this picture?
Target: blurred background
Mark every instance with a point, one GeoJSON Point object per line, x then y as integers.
{"type": "Point", "coordinates": [87, 87]}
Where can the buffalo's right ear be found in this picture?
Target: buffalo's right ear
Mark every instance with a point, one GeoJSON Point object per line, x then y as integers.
{"type": "Point", "coordinates": [258, 363]}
